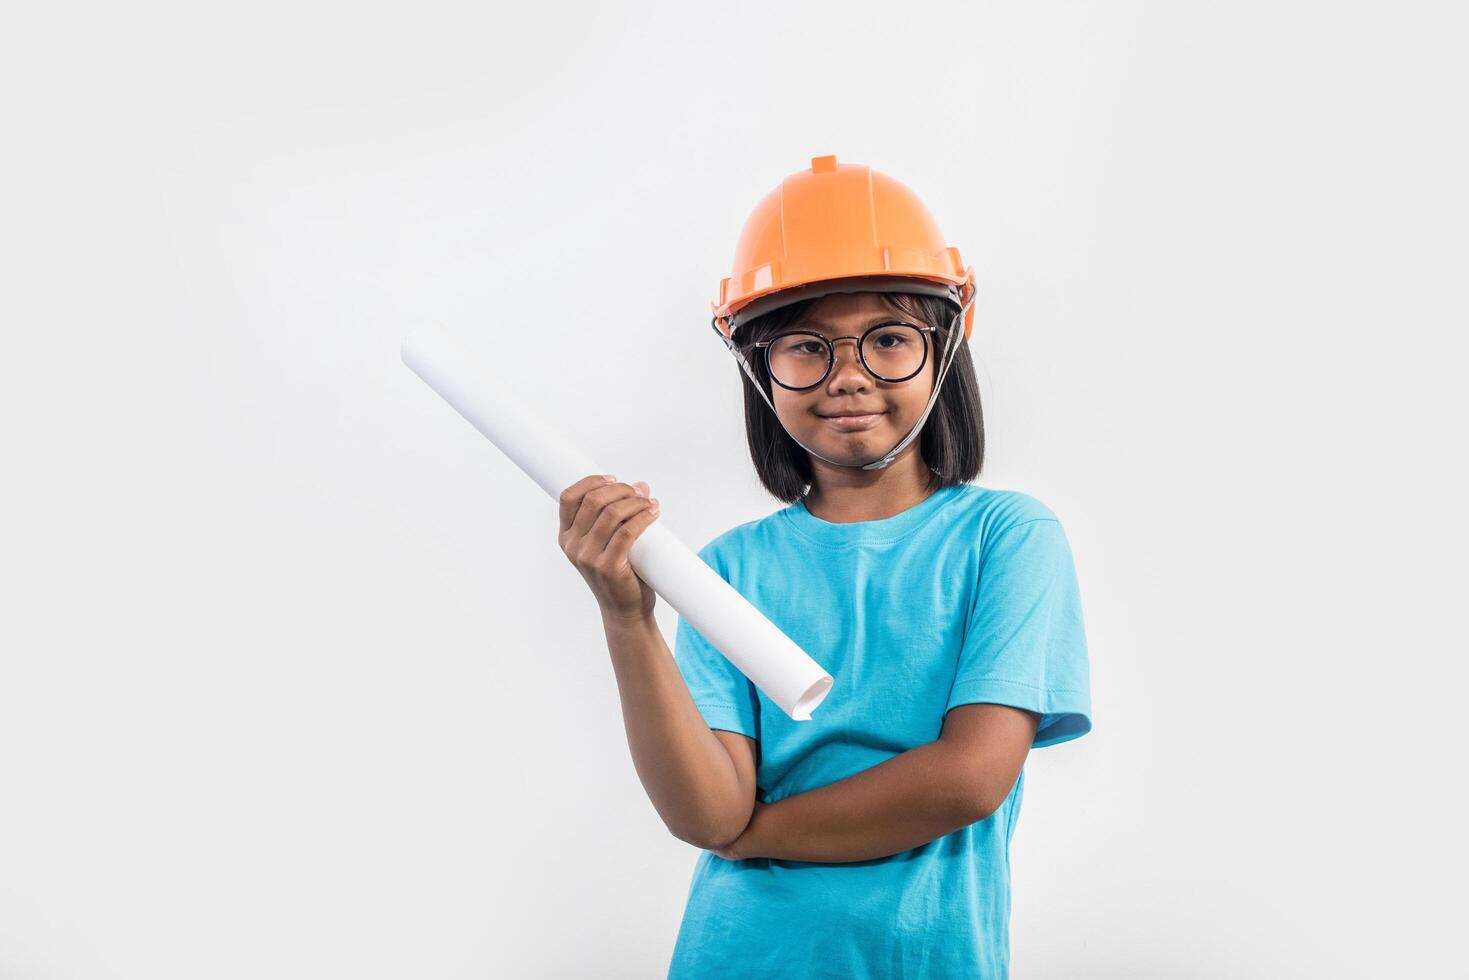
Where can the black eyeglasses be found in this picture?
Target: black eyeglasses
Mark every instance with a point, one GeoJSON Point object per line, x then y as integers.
{"type": "Point", "coordinates": [892, 351]}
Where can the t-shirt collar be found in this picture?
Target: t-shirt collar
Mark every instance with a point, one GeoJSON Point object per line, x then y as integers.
{"type": "Point", "coordinates": [867, 532]}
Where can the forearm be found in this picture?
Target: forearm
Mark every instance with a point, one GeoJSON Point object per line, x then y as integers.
{"type": "Point", "coordinates": [904, 802]}
{"type": "Point", "coordinates": [686, 772]}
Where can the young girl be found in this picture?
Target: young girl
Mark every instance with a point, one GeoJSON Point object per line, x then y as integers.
{"type": "Point", "coordinates": [871, 841]}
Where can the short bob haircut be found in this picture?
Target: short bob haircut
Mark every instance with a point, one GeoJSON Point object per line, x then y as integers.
{"type": "Point", "coordinates": [952, 439]}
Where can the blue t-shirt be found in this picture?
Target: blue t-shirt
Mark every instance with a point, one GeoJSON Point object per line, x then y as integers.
{"type": "Point", "coordinates": [968, 596]}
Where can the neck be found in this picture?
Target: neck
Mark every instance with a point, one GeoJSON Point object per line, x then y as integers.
{"type": "Point", "coordinates": [845, 495]}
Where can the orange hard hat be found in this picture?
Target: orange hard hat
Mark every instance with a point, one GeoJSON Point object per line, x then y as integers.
{"type": "Point", "coordinates": [838, 228]}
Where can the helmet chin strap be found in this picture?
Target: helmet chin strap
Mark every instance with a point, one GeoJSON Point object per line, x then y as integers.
{"type": "Point", "coordinates": [956, 337]}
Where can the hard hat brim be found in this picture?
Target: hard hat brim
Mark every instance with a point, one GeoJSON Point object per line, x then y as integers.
{"type": "Point", "coordinates": [844, 284]}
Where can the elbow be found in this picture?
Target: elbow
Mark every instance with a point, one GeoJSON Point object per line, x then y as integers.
{"type": "Point", "coordinates": [688, 834]}
{"type": "Point", "coordinates": [696, 838]}
{"type": "Point", "coordinates": [718, 843]}
{"type": "Point", "coordinates": [969, 811]}
{"type": "Point", "coordinates": [703, 838]}
{"type": "Point", "coordinates": [979, 793]}
{"type": "Point", "coordinates": [983, 811]}
{"type": "Point", "coordinates": [977, 804]}
{"type": "Point", "coordinates": [710, 838]}
{"type": "Point", "coordinates": [705, 841]}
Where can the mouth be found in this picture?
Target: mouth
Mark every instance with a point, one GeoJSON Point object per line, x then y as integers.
{"type": "Point", "coordinates": [852, 423]}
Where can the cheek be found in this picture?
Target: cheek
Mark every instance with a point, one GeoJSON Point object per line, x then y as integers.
{"type": "Point", "coordinates": [915, 393]}
{"type": "Point", "coordinates": [791, 409]}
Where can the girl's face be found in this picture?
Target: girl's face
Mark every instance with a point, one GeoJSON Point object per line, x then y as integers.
{"type": "Point", "coordinates": [877, 414]}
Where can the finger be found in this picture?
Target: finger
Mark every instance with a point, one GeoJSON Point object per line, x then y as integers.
{"type": "Point", "coordinates": [629, 531]}
{"type": "Point", "coordinates": [594, 501]}
{"type": "Point", "coordinates": [570, 498]}
{"type": "Point", "coordinates": [612, 517]}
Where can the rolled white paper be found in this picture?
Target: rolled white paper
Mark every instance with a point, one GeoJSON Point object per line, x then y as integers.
{"type": "Point", "coordinates": [755, 645]}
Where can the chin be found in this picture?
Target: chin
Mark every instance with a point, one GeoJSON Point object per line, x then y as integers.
{"type": "Point", "coordinates": [854, 447]}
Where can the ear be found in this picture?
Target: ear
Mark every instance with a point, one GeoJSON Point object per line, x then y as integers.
{"type": "Point", "coordinates": [720, 324]}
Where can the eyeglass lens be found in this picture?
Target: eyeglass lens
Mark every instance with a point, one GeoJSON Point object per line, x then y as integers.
{"type": "Point", "coordinates": [893, 353]}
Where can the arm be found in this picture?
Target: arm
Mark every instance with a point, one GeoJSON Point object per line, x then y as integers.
{"type": "Point", "coordinates": [703, 791]}
{"type": "Point", "coordinates": [909, 800]}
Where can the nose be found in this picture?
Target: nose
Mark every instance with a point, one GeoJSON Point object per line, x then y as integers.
{"type": "Point", "coordinates": [847, 372]}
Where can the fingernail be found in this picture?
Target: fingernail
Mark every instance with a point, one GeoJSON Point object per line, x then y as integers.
{"type": "Point", "coordinates": [608, 478]}
{"type": "Point", "coordinates": [654, 509]}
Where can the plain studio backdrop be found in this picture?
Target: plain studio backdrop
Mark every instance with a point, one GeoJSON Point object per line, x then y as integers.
{"type": "Point", "coordinates": [294, 679]}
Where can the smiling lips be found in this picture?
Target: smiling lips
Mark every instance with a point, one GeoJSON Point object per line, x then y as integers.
{"type": "Point", "coordinates": [852, 423]}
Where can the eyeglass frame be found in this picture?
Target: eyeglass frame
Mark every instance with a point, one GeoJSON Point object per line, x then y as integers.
{"type": "Point", "coordinates": [831, 351]}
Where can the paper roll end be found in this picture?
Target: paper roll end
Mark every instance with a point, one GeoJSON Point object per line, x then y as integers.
{"type": "Point", "coordinates": [809, 701]}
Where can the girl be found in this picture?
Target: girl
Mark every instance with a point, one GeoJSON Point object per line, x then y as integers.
{"type": "Point", "coordinates": [871, 841]}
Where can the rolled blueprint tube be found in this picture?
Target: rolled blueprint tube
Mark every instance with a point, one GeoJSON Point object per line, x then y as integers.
{"type": "Point", "coordinates": [755, 645]}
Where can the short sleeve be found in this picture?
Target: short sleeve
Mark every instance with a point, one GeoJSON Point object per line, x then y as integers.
{"type": "Point", "coordinates": [725, 697]}
{"type": "Point", "coordinates": [1024, 641]}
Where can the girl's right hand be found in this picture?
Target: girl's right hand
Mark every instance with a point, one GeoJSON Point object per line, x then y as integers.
{"type": "Point", "coordinates": [600, 520]}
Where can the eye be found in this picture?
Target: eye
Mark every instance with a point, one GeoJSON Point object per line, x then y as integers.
{"type": "Point", "coordinates": [892, 339]}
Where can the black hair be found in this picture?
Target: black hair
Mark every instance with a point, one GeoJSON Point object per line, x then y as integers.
{"type": "Point", "coordinates": [951, 442]}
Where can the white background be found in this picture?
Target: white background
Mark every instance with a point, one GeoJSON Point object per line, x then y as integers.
{"type": "Point", "coordinates": [294, 679]}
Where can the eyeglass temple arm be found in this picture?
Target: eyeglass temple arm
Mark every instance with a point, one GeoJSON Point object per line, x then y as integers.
{"type": "Point", "coordinates": [744, 362]}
